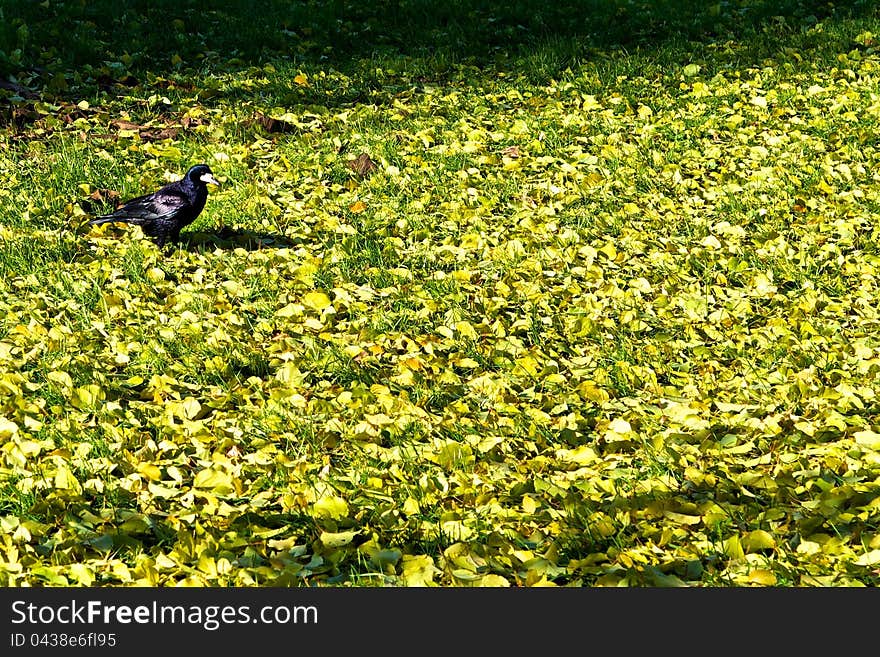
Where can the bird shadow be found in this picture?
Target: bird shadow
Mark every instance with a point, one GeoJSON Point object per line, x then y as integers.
{"type": "Point", "coordinates": [231, 239]}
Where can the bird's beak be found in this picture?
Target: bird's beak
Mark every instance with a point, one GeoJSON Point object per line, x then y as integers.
{"type": "Point", "coordinates": [208, 178]}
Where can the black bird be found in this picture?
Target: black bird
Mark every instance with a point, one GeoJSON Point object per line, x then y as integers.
{"type": "Point", "coordinates": [163, 213]}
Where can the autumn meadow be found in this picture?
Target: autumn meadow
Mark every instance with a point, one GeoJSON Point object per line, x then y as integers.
{"type": "Point", "coordinates": [576, 294]}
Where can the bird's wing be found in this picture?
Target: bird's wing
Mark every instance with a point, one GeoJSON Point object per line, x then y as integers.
{"type": "Point", "coordinates": [158, 205]}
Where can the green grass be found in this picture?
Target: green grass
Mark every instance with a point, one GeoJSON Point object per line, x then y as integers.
{"type": "Point", "coordinates": [603, 314]}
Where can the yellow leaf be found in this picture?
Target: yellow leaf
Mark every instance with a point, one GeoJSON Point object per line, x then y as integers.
{"type": "Point", "coordinates": [404, 377]}
{"type": "Point", "coordinates": [456, 530]}
{"type": "Point", "coordinates": [868, 559]}
{"type": "Point", "coordinates": [165, 492]}
{"type": "Point", "coordinates": [150, 471]}
{"type": "Point", "coordinates": [155, 275]}
{"type": "Point", "coordinates": [290, 310]}
{"type": "Point", "coordinates": [732, 548]}
{"type": "Point", "coordinates": [418, 570]}
{"type": "Point", "coordinates": [378, 419]}
{"type": "Point", "coordinates": [64, 480]}
{"type": "Point", "coordinates": [682, 519]}
{"type": "Point", "coordinates": [594, 179]}
{"type": "Point", "coordinates": [618, 430]}
{"type": "Point", "coordinates": [761, 286]}
{"type": "Point", "coordinates": [29, 447]}
{"type": "Point", "coordinates": [581, 455]}
{"type": "Point", "coordinates": [761, 576]}
{"type": "Point", "coordinates": [609, 250]}
{"type": "Point", "coordinates": [519, 127]}
{"type": "Point", "coordinates": [301, 80]}
{"type": "Point", "coordinates": [493, 581]}
{"type": "Point", "coordinates": [190, 407]}
{"type": "Point", "coordinates": [700, 89]}
{"type": "Point", "coordinates": [590, 102]}
{"type": "Point", "coordinates": [445, 331]}
{"type": "Point", "coordinates": [21, 535]}
{"type": "Point", "coordinates": [357, 207]}
{"type": "Point", "coordinates": [758, 540]}
{"type": "Point", "coordinates": [85, 397]}
{"type": "Point", "coordinates": [289, 374]}
{"type": "Point", "coordinates": [338, 539]}
{"type": "Point", "coordinates": [825, 187]}
{"type": "Point", "coordinates": [207, 565]}
{"type": "Point", "coordinates": [316, 300]}
{"type": "Point", "coordinates": [465, 575]}
{"type": "Point", "coordinates": [61, 378]}
{"type": "Point", "coordinates": [213, 479]}
{"type": "Point", "coordinates": [120, 354]}
{"type": "Point", "coordinates": [528, 364]}
{"type": "Point", "coordinates": [330, 506]}
{"type": "Point", "coordinates": [465, 330]}
{"type": "Point", "coordinates": [82, 574]}
{"type": "Point", "coordinates": [164, 562]}
{"type": "Point", "coordinates": [619, 425]}
{"type": "Point", "coordinates": [590, 391]}
{"type": "Point", "coordinates": [7, 428]}
{"type": "Point", "coordinates": [514, 248]}
{"type": "Point", "coordinates": [711, 242]}
{"type": "Point", "coordinates": [868, 438]}
{"type": "Point", "coordinates": [234, 288]}
{"type": "Point", "coordinates": [453, 455]}
{"type": "Point", "coordinates": [808, 428]}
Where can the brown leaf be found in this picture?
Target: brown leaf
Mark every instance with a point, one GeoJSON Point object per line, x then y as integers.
{"type": "Point", "coordinates": [272, 125]}
{"type": "Point", "coordinates": [127, 125]}
{"type": "Point", "coordinates": [362, 165]}
{"type": "Point", "coordinates": [156, 134]}
{"type": "Point", "coordinates": [71, 113]}
{"type": "Point", "coordinates": [19, 118]}
{"type": "Point", "coordinates": [190, 122]}
{"type": "Point", "coordinates": [512, 152]}
{"type": "Point", "coordinates": [101, 194]}
{"type": "Point", "coordinates": [107, 82]}
{"type": "Point", "coordinates": [147, 133]}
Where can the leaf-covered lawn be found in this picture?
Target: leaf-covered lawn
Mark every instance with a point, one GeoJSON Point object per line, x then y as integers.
{"type": "Point", "coordinates": [506, 297]}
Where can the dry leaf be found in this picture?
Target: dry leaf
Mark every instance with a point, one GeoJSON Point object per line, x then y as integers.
{"type": "Point", "coordinates": [362, 165]}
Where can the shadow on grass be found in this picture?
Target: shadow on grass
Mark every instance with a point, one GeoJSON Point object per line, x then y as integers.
{"type": "Point", "coordinates": [127, 41]}
{"type": "Point", "coordinates": [230, 239]}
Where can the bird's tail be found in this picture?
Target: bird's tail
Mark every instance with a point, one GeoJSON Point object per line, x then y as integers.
{"type": "Point", "coordinates": [105, 219]}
